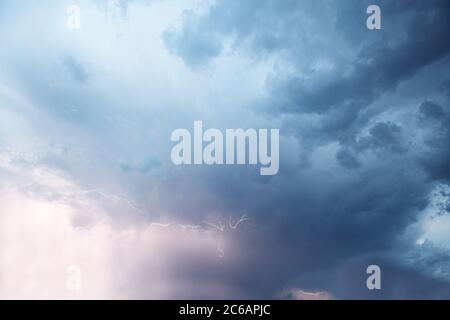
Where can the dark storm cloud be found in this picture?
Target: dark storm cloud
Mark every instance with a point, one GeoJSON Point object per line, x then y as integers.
{"type": "Point", "coordinates": [378, 67]}
{"type": "Point", "coordinates": [383, 135]}
{"type": "Point", "coordinates": [347, 159]}
{"type": "Point", "coordinates": [348, 281]}
{"type": "Point", "coordinates": [384, 138]}
{"type": "Point", "coordinates": [363, 117]}
{"type": "Point", "coordinates": [436, 159]}
{"type": "Point", "coordinates": [322, 220]}
{"type": "Point", "coordinates": [375, 63]}
{"type": "Point", "coordinates": [432, 110]}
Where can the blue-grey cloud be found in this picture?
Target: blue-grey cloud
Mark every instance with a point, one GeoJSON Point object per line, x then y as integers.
{"type": "Point", "coordinates": [363, 116]}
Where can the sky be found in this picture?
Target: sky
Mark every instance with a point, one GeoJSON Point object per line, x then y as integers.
{"type": "Point", "coordinates": [87, 182]}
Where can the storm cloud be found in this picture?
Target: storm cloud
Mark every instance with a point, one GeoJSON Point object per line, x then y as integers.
{"type": "Point", "coordinates": [364, 119]}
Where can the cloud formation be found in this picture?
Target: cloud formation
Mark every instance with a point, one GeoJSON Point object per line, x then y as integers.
{"type": "Point", "coordinates": [86, 176]}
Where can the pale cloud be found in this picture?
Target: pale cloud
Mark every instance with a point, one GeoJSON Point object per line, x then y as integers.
{"type": "Point", "coordinates": [48, 224]}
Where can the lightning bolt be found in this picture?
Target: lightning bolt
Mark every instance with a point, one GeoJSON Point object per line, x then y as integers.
{"type": "Point", "coordinates": [219, 228]}
{"type": "Point", "coordinates": [70, 190]}
{"type": "Point", "coordinates": [114, 197]}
